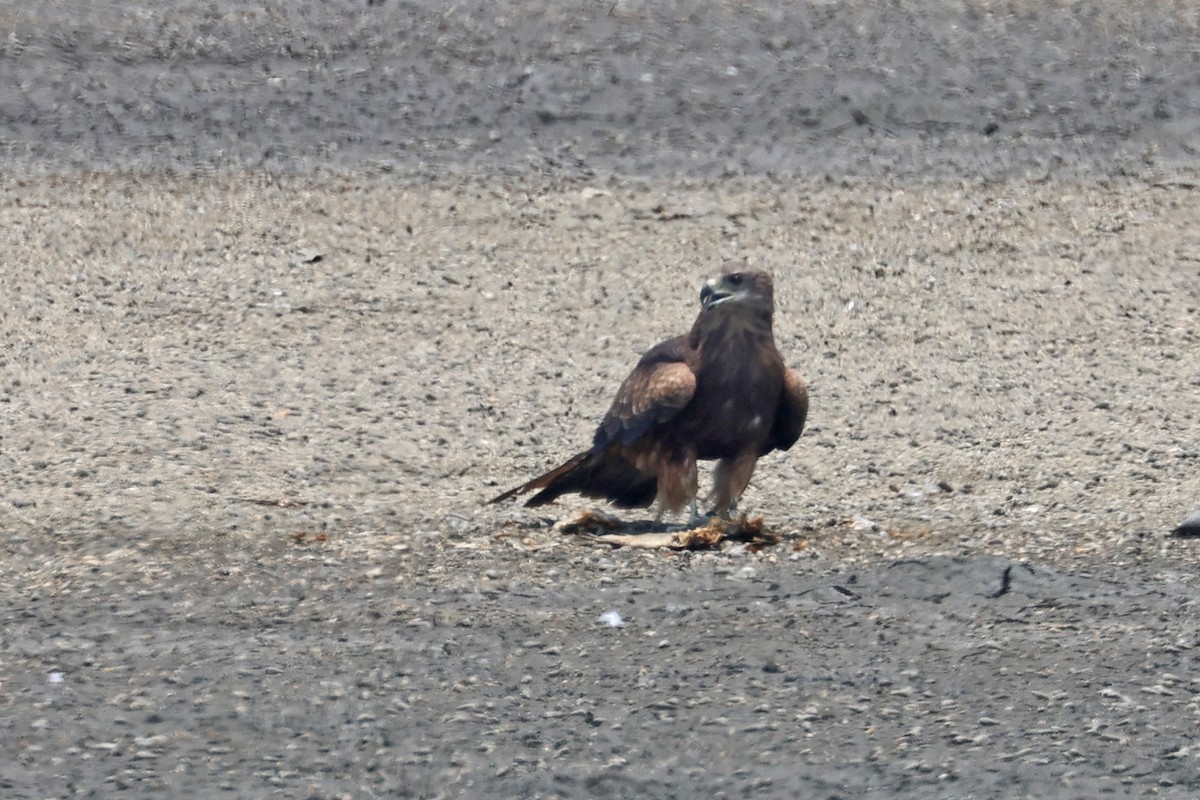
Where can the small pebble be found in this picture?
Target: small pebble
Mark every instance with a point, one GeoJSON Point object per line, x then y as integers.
{"type": "Point", "coordinates": [612, 619]}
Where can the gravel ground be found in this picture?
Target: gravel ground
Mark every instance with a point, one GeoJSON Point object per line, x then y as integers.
{"type": "Point", "coordinates": [287, 295]}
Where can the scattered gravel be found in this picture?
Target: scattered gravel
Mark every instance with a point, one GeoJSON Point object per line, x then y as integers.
{"type": "Point", "coordinates": [279, 315]}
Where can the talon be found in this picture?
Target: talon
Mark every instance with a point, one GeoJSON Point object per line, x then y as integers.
{"type": "Point", "coordinates": [724, 513]}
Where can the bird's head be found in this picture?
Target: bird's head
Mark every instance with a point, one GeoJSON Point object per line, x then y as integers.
{"type": "Point", "coordinates": [737, 289]}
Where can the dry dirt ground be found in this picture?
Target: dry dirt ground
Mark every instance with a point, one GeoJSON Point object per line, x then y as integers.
{"type": "Point", "coordinates": [266, 355]}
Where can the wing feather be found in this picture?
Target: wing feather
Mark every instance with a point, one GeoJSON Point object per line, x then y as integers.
{"type": "Point", "coordinates": [659, 387]}
{"type": "Point", "coordinates": [790, 414]}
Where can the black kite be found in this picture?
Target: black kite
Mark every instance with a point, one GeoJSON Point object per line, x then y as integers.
{"type": "Point", "coordinates": [721, 393]}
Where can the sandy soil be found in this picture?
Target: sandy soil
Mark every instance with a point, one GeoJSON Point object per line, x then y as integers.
{"type": "Point", "coordinates": [278, 316]}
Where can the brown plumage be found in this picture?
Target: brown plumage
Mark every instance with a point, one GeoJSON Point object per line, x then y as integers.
{"type": "Point", "coordinates": [721, 392]}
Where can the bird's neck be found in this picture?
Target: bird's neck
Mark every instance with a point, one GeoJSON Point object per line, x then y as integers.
{"type": "Point", "coordinates": [730, 331]}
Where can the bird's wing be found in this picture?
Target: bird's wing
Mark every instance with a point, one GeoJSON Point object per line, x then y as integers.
{"type": "Point", "coordinates": [790, 413]}
{"type": "Point", "coordinates": [659, 387]}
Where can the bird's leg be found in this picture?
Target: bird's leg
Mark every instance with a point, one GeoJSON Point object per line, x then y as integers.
{"type": "Point", "coordinates": [695, 518]}
{"type": "Point", "coordinates": [730, 479]}
{"type": "Point", "coordinates": [677, 482]}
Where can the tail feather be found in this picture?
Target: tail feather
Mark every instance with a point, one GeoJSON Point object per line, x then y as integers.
{"type": "Point", "coordinates": [604, 475]}
{"type": "Point", "coordinates": [542, 481]}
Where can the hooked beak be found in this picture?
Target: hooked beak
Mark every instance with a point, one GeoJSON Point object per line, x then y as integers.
{"type": "Point", "coordinates": [711, 295]}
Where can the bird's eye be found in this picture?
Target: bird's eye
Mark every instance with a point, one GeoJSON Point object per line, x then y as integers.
{"type": "Point", "coordinates": [736, 279]}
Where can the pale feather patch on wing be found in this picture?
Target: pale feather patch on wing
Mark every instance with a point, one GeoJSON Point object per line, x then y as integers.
{"type": "Point", "coordinates": [650, 396]}
{"type": "Point", "coordinates": [668, 388]}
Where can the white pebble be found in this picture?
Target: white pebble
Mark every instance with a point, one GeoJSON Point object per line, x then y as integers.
{"type": "Point", "coordinates": [612, 619]}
